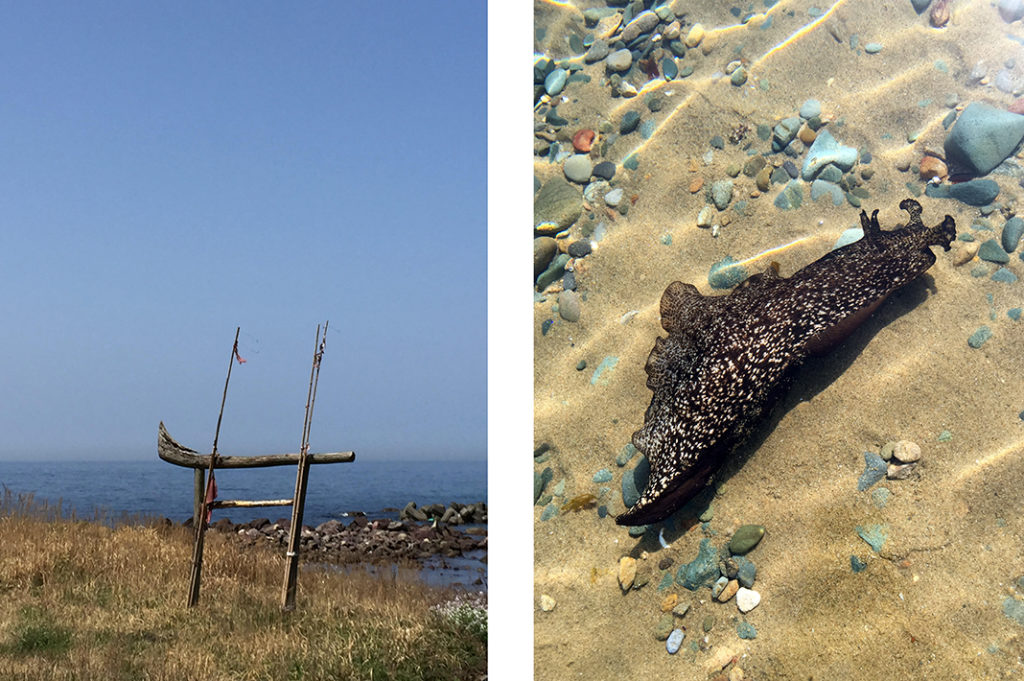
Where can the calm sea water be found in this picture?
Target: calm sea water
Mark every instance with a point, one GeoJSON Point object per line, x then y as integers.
{"type": "Point", "coordinates": [157, 488]}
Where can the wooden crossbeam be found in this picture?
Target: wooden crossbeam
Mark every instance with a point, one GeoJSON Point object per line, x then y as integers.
{"type": "Point", "coordinates": [243, 503]}
{"type": "Point", "coordinates": [172, 452]}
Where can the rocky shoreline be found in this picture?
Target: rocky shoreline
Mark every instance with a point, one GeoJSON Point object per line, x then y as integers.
{"type": "Point", "coordinates": [421, 534]}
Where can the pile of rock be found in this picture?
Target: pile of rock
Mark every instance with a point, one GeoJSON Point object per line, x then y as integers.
{"type": "Point", "coordinates": [454, 514]}
{"type": "Point", "coordinates": [362, 540]}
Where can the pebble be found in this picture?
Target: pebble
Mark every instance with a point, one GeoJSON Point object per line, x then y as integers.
{"type": "Point", "coordinates": [681, 609]}
{"type": "Point", "coordinates": [604, 170]}
{"type": "Point", "coordinates": [629, 122]}
{"type": "Point", "coordinates": [721, 193]}
{"type": "Point", "coordinates": [635, 480]}
{"type": "Point", "coordinates": [932, 167]}
{"type": "Point", "coordinates": [614, 197]}
{"type": "Point", "coordinates": [603, 475]}
{"type": "Point", "coordinates": [694, 36]}
{"type": "Point", "coordinates": [550, 511]}
{"type": "Point", "coordinates": [544, 249]}
{"type": "Point", "coordinates": [747, 599]}
{"type": "Point", "coordinates": [906, 451]}
{"type": "Point", "coordinates": [810, 109]}
{"type": "Point", "coordinates": [665, 626]}
{"type": "Point", "coordinates": [578, 168]}
{"type": "Point", "coordinates": [965, 252]}
{"type": "Point", "coordinates": [764, 178]}
{"type": "Point", "coordinates": [705, 216]}
{"type": "Point", "coordinates": [708, 623]}
{"type": "Point", "coordinates": [873, 48]}
{"type": "Point", "coordinates": [993, 252]}
{"type": "Point", "coordinates": [979, 337]}
{"type": "Point", "coordinates": [672, 31]}
{"type": "Point", "coordinates": [730, 590]}
{"type": "Point", "coordinates": [581, 365]}
{"type": "Point", "coordinates": [726, 273]}
{"type": "Point", "coordinates": [745, 538]}
{"type": "Point", "coordinates": [554, 272]}
{"type": "Point", "coordinates": [1004, 276]}
{"type": "Point", "coordinates": [675, 640]}
{"type": "Point", "coordinates": [556, 207]}
{"type": "Point", "coordinates": [739, 77]}
{"type": "Point", "coordinates": [547, 603]}
{"type": "Point", "coordinates": [669, 69]}
{"type": "Point", "coordinates": [874, 470]}
{"type": "Point", "coordinates": [620, 60]}
{"type": "Point", "coordinates": [583, 140]}
{"type": "Point", "coordinates": [824, 151]}
{"type": "Point", "coordinates": [580, 248]}
{"type": "Point", "coordinates": [1011, 10]}
{"type": "Point", "coordinates": [874, 535]}
{"type": "Point", "coordinates": [701, 570]}
{"type": "Point", "coordinates": [1012, 232]}
{"type": "Point", "coordinates": [696, 184]}
{"type": "Point", "coordinates": [982, 137]}
{"type": "Point", "coordinates": [747, 572]}
{"type": "Point", "coordinates": [598, 51]}
{"type": "Point", "coordinates": [623, 457]}
{"type": "Point", "coordinates": [899, 471]}
{"type": "Point", "coordinates": [746, 630]}
{"type": "Point", "coordinates": [555, 81]}
{"type": "Point", "coordinates": [641, 23]}
{"type": "Point", "coordinates": [627, 572]}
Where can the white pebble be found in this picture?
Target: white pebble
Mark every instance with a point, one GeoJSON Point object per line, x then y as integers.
{"type": "Point", "coordinates": [906, 451]}
{"type": "Point", "coordinates": [747, 599]}
{"type": "Point", "coordinates": [547, 603]}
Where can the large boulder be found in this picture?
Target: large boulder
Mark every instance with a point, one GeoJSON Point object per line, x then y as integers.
{"type": "Point", "coordinates": [981, 139]}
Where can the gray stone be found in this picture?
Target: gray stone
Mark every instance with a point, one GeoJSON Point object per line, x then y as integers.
{"type": "Point", "coordinates": [975, 192]}
{"type": "Point", "coordinates": [982, 138]}
{"type": "Point", "coordinates": [620, 60]}
{"type": "Point", "coordinates": [641, 23]}
{"type": "Point", "coordinates": [721, 193]}
{"type": "Point", "coordinates": [873, 48]}
{"type": "Point", "coordinates": [569, 306]}
{"type": "Point", "coordinates": [825, 150]}
{"type": "Point", "coordinates": [738, 77]}
{"type": "Point", "coordinates": [555, 81]}
{"type": "Point", "coordinates": [613, 197]}
{"type": "Point", "coordinates": [558, 204]}
{"type": "Point", "coordinates": [630, 120]}
{"type": "Point", "coordinates": [578, 168]}
{"type": "Point", "coordinates": [920, 5]}
{"type": "Point", "coordinates": [598, 51]}
{"type": "Point", "coordinates": [544, 249]}
{"type": "Point", "coordinates": [1012, 232]}
{"type": "Point", "coordinates": [1011, 10]}
{"type": "Point", "coordinates": [554, 272]}
{"type": "Point", "coordinates": [810, 109]}
{"type": "Point", "coordinates": [821, 188]}
{"type": "Point", "coordinates": [604, 170]}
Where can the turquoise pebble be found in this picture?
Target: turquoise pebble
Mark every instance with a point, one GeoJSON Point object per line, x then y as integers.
{"type": "Point", "coordinates": [746, 630]}
{"type": "Point", "coordinates": [635, 480]}
{"type": "Point", "coordinates": [637, 531]}
{"type": "Point", "coordinates": [666, 582]}
{"type": "Point", "coordinates": [874, 535]}
{"type": "Point", "coordinates": [726, 273]}
{"type": "Point", "coordinates": [675, 639]}
{"type": "Point", "coordinates": [631, 162]}
{"type": "Point", "coordinates": [603, 475]}
{"type": "Point", "coordinates": [978, 338]}
{"type": "Point", "coordinates": [747, 572]}
{"type": "Point", "coordinates": [625, 454]}
{"type": "Point", "coordinates": [647, 128]}
{"type": "Point", "coordinates": [945, 436]}
{"type": "Point", "coordinates": [856, 564]}
{"type": "Point", "coordinates": [702, 570]}
{"type": "Point", "coordinates": [1014, 609]}
{"type": "Point", "coordinates": [880, 496]}
{"type": "Point", "coordinates": [686, 71]}
{"type": "Point", "coordinates": [874, 470]}
{"type": "Point", "coordinates": [1004, 276]}
{"type": "Point", "coordinates": [993, 252]}
{"type": "Point", "coordinates": [668, 68]}
{"type": "Point", "coordinates": [873, 48]}
{"type": "Point", "coordinates": [601, 373]}
{"type": "Point", "coordinates": [1014, 314]}
{"type": "Point", "coordinates": [550, 511]}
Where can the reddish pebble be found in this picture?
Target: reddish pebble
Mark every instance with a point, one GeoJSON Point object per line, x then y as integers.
{"type": "Point", "coordinates": [695, 184]}
{"type": "Point", "coordinates": [932, 167]}
{"type": "Point", "coordinates": [1018, 106]}
{"type": "Point", "coordinates": [583, 140]}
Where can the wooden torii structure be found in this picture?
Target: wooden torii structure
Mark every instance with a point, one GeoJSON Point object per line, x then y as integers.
{"type": "Point", "coordinates": [204, 494]}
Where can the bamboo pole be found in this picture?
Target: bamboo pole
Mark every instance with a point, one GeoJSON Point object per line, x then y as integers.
{"type": "Point", "coordinates": [200, 528]}
{"type": "Point", "coordinates": [301, 479]}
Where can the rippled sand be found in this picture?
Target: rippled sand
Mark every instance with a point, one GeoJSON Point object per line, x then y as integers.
{"type": "Point", "coordinates": [930, 605]}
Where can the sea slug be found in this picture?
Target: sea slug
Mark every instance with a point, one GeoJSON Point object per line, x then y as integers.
{"type": "Point", "coordinates": [727, 359]}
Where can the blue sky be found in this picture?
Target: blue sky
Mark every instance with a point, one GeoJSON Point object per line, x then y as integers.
{"type": "Point", "coordinates": [174, 170]}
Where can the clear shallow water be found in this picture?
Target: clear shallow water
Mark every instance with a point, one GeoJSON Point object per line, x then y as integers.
{"type": "Point", "coordinates": [157, 488]}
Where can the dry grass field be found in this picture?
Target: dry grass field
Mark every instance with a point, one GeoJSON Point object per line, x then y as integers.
{"type": "Point", "coordinates": [83, 600]}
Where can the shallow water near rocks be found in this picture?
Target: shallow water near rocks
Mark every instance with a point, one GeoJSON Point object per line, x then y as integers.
{"type": "Point", "coordinates": [938, 597]}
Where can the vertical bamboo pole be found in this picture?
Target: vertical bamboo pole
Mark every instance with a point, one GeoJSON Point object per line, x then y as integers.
{"type": "Point", "coordinates": [198, 493]}
{"type": "Point", "coordinates": [301, 479]}
{"type": "Point", "coordinates": [200, 526]}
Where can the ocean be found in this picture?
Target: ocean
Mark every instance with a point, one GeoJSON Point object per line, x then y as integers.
{"type": "Point", "coordinates": [117, 490]}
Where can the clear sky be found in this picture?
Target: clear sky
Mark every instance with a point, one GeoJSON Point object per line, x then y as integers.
{"type": "Point", "coordinates": [173, 170]}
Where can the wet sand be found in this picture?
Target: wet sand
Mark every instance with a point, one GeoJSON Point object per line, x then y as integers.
{"type": "Point", "coordinates": [930, 603]}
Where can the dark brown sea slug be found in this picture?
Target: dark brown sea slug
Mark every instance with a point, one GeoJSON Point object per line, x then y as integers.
{"type": "Point", "coordinates": [727, 359]}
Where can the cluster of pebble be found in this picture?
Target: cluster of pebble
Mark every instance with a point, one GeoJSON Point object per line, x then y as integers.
{"type": "Point", "coordinates": [728, 573]}
{"type": "Point", "coordinates": [896, 461]}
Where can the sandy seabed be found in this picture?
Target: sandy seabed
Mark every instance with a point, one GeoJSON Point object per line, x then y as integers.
{"type": "Point", "coordinates": [930, 604]}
